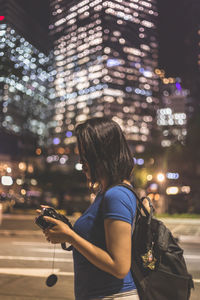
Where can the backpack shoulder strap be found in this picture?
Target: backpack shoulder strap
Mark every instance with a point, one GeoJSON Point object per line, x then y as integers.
{"type": "Point", "coordinates": [140, 205]}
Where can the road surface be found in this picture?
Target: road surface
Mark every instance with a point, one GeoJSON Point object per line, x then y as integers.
{"type": "Point", "coordinates": [26, 262]}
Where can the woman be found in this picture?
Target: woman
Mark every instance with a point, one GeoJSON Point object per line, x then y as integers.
{"type": "Point", "coordinates": [101, 238]}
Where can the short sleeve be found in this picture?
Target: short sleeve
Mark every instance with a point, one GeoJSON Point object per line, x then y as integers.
{"type": "Point", "coordinates": [119, 203]}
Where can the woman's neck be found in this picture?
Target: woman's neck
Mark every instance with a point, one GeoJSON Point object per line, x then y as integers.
{"type": "Point", "coordinates": [126, 181]}
{"type": "Point", "coordinates": [104, 184]}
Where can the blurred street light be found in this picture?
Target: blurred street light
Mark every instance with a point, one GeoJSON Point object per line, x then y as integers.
{"type": "Point", "coordinates": [78, 166]}
{"type": "Point", "coordinates": [19, 181]}
{"type": "Point", "coordinates": [160, 177]}
{"type": "Point", "coordinates": [30, 168]}
{"type": "Point", "coordinates": [186, 189]}
{"type": "Point", "coordinates": [149, 177]}
{"type": "Point", "coordinates": [23, 191]}
{"type": "Point", "coordinates": [38, 151]}
{"type": "Point", "coordinates": [9, 170]}
{"type": "Point", "coordinates": [22, 166]}
{"type": "Point", "coordinates": [172, 190]}
{"type": "Point", "coordinates": [153, 187]}
{"type": "Point", "coordinates": [6, 180]}
{"type": "Point", "coordinates": [171, 175]}
{"type": "Point", "coordinates": [33, 181]}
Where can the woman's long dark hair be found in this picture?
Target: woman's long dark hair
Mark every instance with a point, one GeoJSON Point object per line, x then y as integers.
{"type": "Point", "coordinates": [103, 147]}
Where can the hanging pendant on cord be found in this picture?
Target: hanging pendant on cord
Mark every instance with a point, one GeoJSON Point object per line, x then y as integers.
{"type": "Point", "coordinates": [52, 279]}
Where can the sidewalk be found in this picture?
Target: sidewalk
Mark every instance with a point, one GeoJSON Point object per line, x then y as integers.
{"type": "Point", "coordinates": [186, 230]}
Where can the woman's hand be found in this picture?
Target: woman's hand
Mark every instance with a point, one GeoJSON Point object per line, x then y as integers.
{"type": "Point", "coordinates": [59, 233]}
{"type": "Point", "coordinates": [39, 211]}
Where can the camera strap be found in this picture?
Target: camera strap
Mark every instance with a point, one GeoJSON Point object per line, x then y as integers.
{"type": "Point", "coordinates": [66, 221]}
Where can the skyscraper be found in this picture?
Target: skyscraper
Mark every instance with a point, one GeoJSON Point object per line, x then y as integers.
{"type": "Point", "coordinates": [25, 74]}
{"type": "Point", "coordinates": [172, 115]}
{"type": "Point", "coordinates": [25, 100]}
{"type": "Point", "coordinates": [105, 54]}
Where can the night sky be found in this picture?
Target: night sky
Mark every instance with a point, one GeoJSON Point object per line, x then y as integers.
{"type": "Point", "coordinates": [38, 8]}
{"type": "Point", "coordinates": [170, 25]}
{"type": "Point", "coordinates": [171, 30]}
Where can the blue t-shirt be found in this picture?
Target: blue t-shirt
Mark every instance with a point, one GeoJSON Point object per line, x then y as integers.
{"type": "Point", "coordinates": [119, 203]}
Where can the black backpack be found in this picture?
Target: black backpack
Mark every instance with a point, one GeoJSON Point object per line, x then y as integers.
{"type": "Point", "coordinates": [158, 266]}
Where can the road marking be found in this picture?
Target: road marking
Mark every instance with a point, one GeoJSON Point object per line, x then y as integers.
{"type": "Point", "coordinates": [35, 272]}
{"type": "Point", "coordinates": [31, 258]}
{"type": "Point", "coordinates": [66, 273]}
{"type": "Point", "coordinates": [29, 243]}
{"type": "Point", "coordinates": [50, 250]}
{"type": "Point", "coordinates": [27, 271]}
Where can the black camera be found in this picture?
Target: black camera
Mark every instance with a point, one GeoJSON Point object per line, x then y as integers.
{"type": "Point", "coordinates": [51, 212]}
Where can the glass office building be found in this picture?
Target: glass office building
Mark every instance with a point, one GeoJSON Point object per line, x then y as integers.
{"type": "Point", "coordinates": [25, 75]}
{"type": "Point", "coordinates": [105, 54]}
{"type": "Point", "coordinates": [172, 116]}
{"type": "Point", "coordinates": [25, 100]}
{"type": "Point", "coordinates": [23, 90]}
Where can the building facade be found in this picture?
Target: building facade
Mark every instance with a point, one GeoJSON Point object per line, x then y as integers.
{"type": "Point", "coordinates": [105, 53]}
{"type": "Point", "coordinates": [25, 102]}
{"type": "Point", "coordinates": [25, 75]}
{"type": "Point", "coordinates": [172, 115]}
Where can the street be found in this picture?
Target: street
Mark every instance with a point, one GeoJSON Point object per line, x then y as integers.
{"type": "Point", "coordinates": [192, 257]}
{"type": "Point", "coordinates": [26, 262]}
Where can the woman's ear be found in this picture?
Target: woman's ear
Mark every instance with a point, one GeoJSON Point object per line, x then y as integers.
{"type": "Point", "coordinates": [94, 186]}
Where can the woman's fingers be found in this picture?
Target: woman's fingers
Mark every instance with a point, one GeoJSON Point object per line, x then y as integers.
{"type": "Point", "coordinates": [51, 220]}
{"type": "Point", "coordinates": [39, 211]}
{"type": "Point", "coordinates": [45, 206]}
{"type": "Point", "coordinates": [46, 231]}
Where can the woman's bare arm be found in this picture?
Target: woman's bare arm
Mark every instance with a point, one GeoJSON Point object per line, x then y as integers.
{"type": "Point", "coordinates": [116, 260]}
